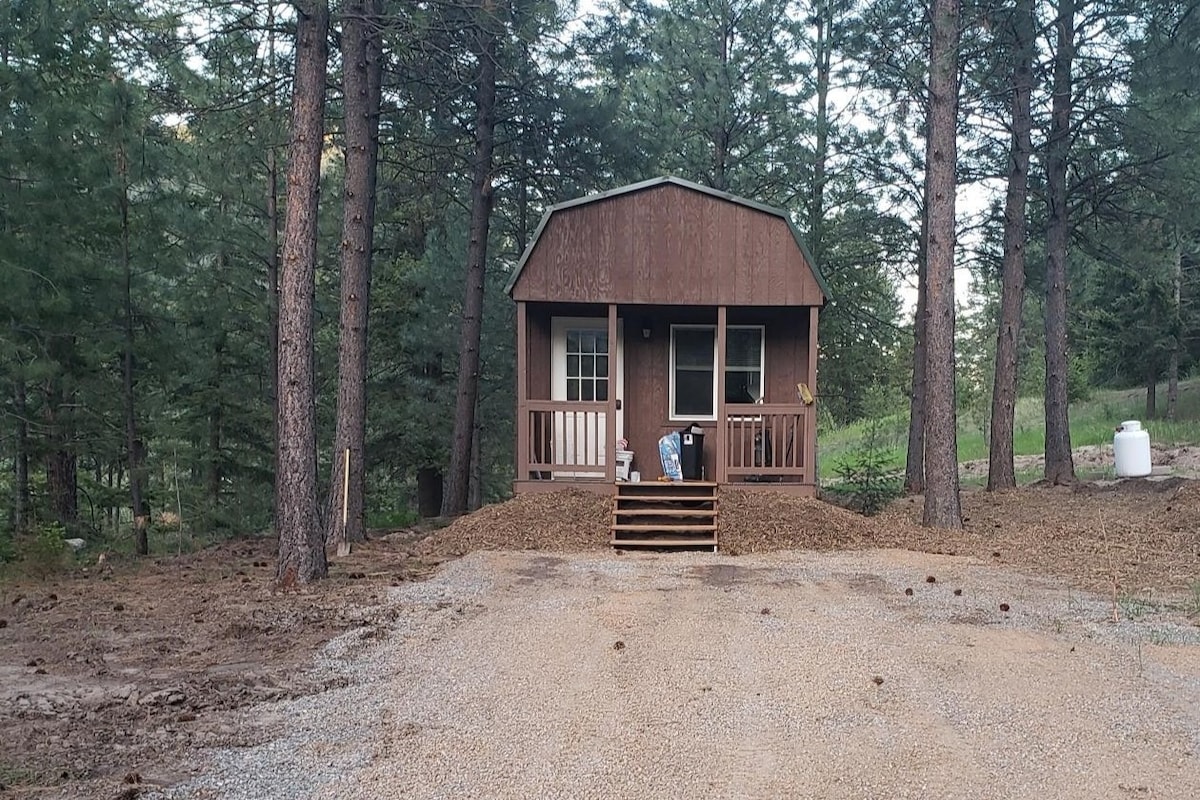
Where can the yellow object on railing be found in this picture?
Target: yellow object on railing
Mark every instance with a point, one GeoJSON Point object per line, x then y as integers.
{"type": "Point", "coordinates": [804, 394]}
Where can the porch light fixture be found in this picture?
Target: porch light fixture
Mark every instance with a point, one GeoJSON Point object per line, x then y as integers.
{"type": "Point", "coordinates": [647, 328]}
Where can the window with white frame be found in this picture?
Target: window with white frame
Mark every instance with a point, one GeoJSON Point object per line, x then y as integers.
{"type": "Point", "coordinates": [694, 367]}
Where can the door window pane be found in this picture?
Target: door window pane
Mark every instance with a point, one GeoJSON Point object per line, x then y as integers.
{"type": "Point", "coordinates": [587, 365]}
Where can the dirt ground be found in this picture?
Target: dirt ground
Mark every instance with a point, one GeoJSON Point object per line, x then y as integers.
{"type": "Point", "coordinates": [112, 671]}
{"type": "Point", "coordinates": [114, 677]}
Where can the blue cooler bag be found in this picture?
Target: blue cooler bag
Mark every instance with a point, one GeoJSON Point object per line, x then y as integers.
{"type": "Point", "coordinates": [668, 451]}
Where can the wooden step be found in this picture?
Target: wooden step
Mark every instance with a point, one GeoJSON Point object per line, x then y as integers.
{"type": "Point", "coordinates": [662, 514]}
{"type": "Point", "coordinates": [665, 512]}
{"type": "Point", "coordinates": [665, 486]}
{"type": "Point", "coordinates": [670, 498]}
{"type": "Point", "coordinates": [665, 528]}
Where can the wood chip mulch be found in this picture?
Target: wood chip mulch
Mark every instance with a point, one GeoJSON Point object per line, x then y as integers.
{"type": "Point", "coordinates": [565, 521]}
{"type": "Point", "coordinates": [1144, 535]}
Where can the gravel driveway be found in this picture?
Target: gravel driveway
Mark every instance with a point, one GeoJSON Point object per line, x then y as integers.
{"type": "Point", "coordinates": [519, 675]}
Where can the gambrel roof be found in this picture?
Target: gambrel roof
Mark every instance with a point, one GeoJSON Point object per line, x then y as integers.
{"type": "Point", "coordinates": [667, 241]}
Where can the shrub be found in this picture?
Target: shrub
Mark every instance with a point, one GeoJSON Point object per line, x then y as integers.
{"type": "Point", "coordinates": [870, 481]}
{"type": "Point", "coordinates": [870, 478]}
{"type": "Point", "coordinates": [45, 552]}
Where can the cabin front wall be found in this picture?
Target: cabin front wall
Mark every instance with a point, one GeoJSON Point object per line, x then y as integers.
{"type": "Point", "coordinates": [644, 404]}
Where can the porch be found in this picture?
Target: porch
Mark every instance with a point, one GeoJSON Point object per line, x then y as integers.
{"type": "Point", "coordinates": [759, 445]}
{"type": "Point", "coordinates": [595, 380]}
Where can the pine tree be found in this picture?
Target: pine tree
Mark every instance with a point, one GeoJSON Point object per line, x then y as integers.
{"type": "Point", "coordinates": [487, 27]}
{"type": "Point", "coordinates": [1001, 474]}
{"type": "Point", "coordinates": [301, 542]}
{"type": "Point", "coordinates": [362, 71]}
{"type": "Point", "coordinates": [942, 508]}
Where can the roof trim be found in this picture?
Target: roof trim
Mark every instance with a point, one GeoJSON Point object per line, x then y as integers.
{"type": "Point", "coordinates": [668, 179]}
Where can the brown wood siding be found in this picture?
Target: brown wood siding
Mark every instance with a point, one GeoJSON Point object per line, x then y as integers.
{"type": "Point", "coordinates": [647, 366]}
{"type": "Point", "coordinates": [539, 362]}
{"type": "Point", "coordinates": [667, 244]}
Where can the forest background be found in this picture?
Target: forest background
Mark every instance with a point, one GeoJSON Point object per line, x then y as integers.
{"type": "Point", "coordinates": [151, 218]}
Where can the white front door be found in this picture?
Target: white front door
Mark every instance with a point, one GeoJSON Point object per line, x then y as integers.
{"type": "Point", "coordinates": [586, 369]}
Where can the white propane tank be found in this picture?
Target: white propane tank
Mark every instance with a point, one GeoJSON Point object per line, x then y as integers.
{"type": "Point", "coordinates": [1131, 450]}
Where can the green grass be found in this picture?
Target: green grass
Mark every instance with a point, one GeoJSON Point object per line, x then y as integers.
{"type": "Point", "coordinates": [393, 518]}
{"type": "Point", "coordinates": [1093, 422]}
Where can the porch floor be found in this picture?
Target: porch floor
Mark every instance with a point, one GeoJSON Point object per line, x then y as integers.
{"type": "Point", "coordinates": [601, 486]}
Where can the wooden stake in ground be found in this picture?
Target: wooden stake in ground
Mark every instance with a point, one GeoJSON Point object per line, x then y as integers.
{"type": "Point", "coordinates": [343, 548]}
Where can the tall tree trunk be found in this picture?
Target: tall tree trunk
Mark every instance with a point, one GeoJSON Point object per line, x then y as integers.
{"type": "Point", "coordinates": [301, 542]}
{"type": "Point", "coordinates": [429, 492]}
{"type": "Point", "coordinates": [362, 67]}
{"type": "Point", "coordinates": [458, 481]}
{"type": "Point", "coordinates": [21, 505]}
{"type": "Point", "coordinates": [215, 477]}
{"type": "Point", "coordinates": [1060, 466]}
{"type": "Point", "coordinates": [112, 483]}
{"type": "Point", "coordinates": [1001, 472]}
{"type": "Point", "coordinates": [272, 209]}
{"type": "Point", "coordinates": [1151, 389]}
{"type": "Point", "coordinates": [135, 450]}
{"type": "Point", "coordinates": [822, 55]}
{"type": "Point", "coordinates": [62, 480]}
{"type": "Point", "coordinates": [475, 495]}
{"type": "Point", "coordinates": [1177, 333]}
{"type": "Point", "coordinates": [914, 464]}
{"type": "Point", "coordinates": [942, 507]}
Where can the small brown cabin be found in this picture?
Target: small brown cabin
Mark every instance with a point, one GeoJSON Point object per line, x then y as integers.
{"type": "Point", "coordinates": [657, 307]}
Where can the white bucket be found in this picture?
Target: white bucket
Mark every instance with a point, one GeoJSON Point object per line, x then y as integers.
{"type": "Point", "coordinates": [1131, 450]}
{"type": "Point", "coordinates": [624, 462]}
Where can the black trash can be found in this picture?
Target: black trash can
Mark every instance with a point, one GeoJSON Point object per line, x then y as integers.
{"type": "Point", "coordinates": [691, 453]}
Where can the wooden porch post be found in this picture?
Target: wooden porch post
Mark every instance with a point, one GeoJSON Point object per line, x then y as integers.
{"type": "Point", "coordinates": [722, 455]}
{"type": "Point", "coordinates": [610, 461]}
{"type": "Point", "coordinates": [522, 470]}
{"type": "Point", "coordinates": [810, 416]}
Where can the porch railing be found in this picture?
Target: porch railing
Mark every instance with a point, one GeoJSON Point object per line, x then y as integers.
{"type": "Point", "coordinates": [567, 440]}
{"type": "Point", "coordinates": [767, 442]}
